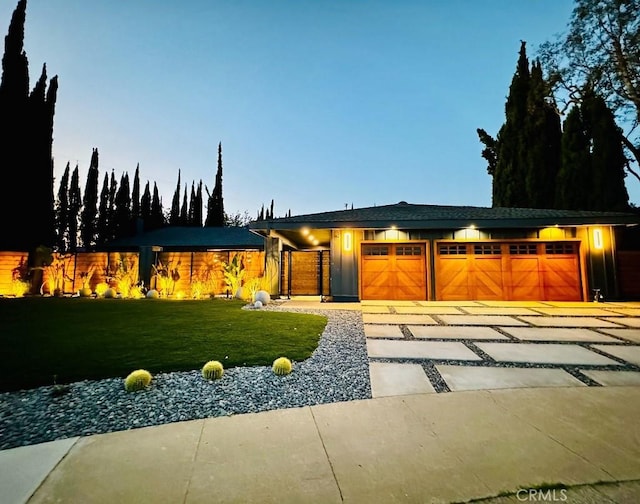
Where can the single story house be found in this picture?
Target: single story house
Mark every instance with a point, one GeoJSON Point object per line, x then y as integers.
{"type": "Point", "coordinates": [417, 252]}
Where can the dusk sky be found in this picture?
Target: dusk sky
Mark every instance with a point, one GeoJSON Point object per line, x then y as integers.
{"type": "Point", "coordinates": [317, 103]}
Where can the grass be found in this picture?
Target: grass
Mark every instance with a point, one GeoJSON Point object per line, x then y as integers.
{"type": "Point", "coordinates": [77, 339]}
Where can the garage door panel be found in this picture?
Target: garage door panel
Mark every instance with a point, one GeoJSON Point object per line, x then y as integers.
{"type": "Point", "coordinates": [561, 283]}
{"type": "Point", "coordinates": [398, 271]}
{"type": "Point", "coordinates": [525, 271]}
{"type": "Point", "coordinates": [487, 278]}
{"type": "Point", "coordinates": [453, 279]}
{"type": "Point", "coordinates": [525, 279]}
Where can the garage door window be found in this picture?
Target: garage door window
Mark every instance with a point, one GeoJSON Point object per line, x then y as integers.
{"type": "Point", "coordinates": [375, 250]}
{"type": "Point", "coordinates": [523, 249]}
{"type": "Point", "coordinates": [560, 248]}
{"type": "Point", "coordinates": [486, 249]}
{"type": "Point", "coordinates": [452, 249]}
{"type": "Point", "coordinates": [408, 250]}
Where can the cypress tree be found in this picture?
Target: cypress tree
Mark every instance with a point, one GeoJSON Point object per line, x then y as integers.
{"type": "Point", "coordinates": [135, 194]}
{"type": "Point", "coordinates": [542, 142]}
{"type": "Point", "coordinates": [608, 161]}
{"type": "Point", "coordinates": [573, 183]}
{"type": "Point", "coordinates": [102, 224]}
{"type": "Point", "coordinates": [215, 207]}
{"type": "Point", "coordinates": [157, 217]}
{"type": "Point", "coordinates": [174, 215]}
{"type": "Point", "coordinates": [197, 210]}
{"type": "Point", "coordinates": [184, 211]}
{"type": "Point", "coordinates": [25, 147]}
{"type": "Point", "coordinates": [75, 203]}
{"type": "Point", "coordinates": [145, 207]}
{"type": "Point", "coordinates": [111, 207]}
{"type": "Point", "coordinates": [62, 212]}
{"type": "Point", "coordinates": [88, 220]}
{"type": "Point", "coordinates": [122, 216]}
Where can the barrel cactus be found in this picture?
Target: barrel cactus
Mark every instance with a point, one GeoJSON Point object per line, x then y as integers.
{"type": "Point", "coordinates": [281, 366]}
{"type": "Point", "coordinates": [137, 380]}
{"type": "Point", "coordinates": [212, 370]}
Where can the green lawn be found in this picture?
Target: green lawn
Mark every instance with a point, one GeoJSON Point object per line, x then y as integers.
{"type": "Point", "coordinates": [80, 338]}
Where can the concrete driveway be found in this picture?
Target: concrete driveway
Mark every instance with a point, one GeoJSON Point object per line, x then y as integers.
{"type": "Point", "coordinates": [435, 347]}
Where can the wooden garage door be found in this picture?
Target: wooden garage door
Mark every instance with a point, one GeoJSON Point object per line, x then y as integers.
{"type": "Point", "coordinates": [508, 271]}
{"type": "Point", "coordinates": [394, 271]}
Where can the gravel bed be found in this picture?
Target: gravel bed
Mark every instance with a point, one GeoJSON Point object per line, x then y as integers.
{"type": "Point", "coordinates": [337, 371]}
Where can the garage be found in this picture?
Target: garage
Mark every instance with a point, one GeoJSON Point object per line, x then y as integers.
{"type": "Point", "coordinates": [394, 271]}
{"type": "Point", "coordinates": [522, 271]}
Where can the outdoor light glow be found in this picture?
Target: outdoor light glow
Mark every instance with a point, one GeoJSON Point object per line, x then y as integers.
{"type": "Point", "coordinates": [305, 231]}
{"type": "Point", "coordinates": [597, 238]}
{"type": "Point", "coordinates": [316, 242]}
{"type": "Point", "coordinates": [347, 241]}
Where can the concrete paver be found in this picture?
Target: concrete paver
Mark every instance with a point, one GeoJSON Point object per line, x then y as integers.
{"type": "Point", "coordinates": [503, 310]}
{"type": "Point", "coordinates": [23, 469]}
{"type": "Point", "coordinates": [485, 320]}
{"type": "Point", "coordinates": [576, 312]}
{"type": "Point", "coordinates": [455, 332]}
{"type": "Point", "coordinates": [375, 309]}
{"type": "Point", "coordinates": [627, 321]}
{"type": "Point", "coordinates": [569, 322]}
{"type": "Point", "coordinates": [543, 353]}
{"type": "Point", "coordinates": [380, 318]}
{"type": "Point", "coordinates": [628, 353]}
{"type": "Point", "coordinates": [486, 378]}
{"type": "Point", "coordinates": [391, 379]}
{"type": "Point", "coordinates": [510, 304]}
{"type": "Point", "coordinates": [629, 312]}
{"type": "Point", "coordinates": [557, 334]}
{"type": "Point", "coordinates": [419, 350]}
{"type": "Point", "coordinates": [428, 309]}
{"type": "Point", "coordinates": [613, 378]}
{"type": "Point", "coordinates": [382, 331]}
{"type": "Point", "coordinates": [627, 334]}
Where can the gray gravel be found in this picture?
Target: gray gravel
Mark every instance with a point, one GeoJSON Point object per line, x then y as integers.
{"type": "Point", "coordinates": [337, 371]}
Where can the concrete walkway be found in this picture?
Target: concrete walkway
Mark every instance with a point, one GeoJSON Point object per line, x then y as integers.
{"type": "Point", "coordinates": [471, 401]}
{"type": "Point", "coordinates": [416, 448]}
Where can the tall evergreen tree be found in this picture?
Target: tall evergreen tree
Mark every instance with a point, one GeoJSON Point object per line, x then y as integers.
{"type": "Point", "coordinates": [174, 215]}
{"type": "Point", "coordinates": [608, 161]}
{"type": "Point", "coordinates": [62, 212]}
{"type": "Point", "coordinates": [542, 142]}
{"type": "Point", "coordinates": [145, 207]}
{"type": "Point", "coordinates": [192, 205]}
{"type": "Point", "coordinates": [123, 222]}
{"type": "Point", "coordinates": [197, 211]}
{"type": "Point", "coordinates": [75, 203]}
{"type": "Point", "coordinates": [102, 224]}
{"type": "Point", "coordinates": [111, 207]}
{"type": "Point", "coordinates": [574, 177]}
{"type": "Point", "coordinates": [184, 210]}
{"type": "Point", "coordinates": [157, 216]}
{"type": "Point", "coordinates": [25, 146]}
{"type": "Point", "coordinates": [135, 194]}
{"type": "Point", "coordinates": [524, 159]}
{"type": "Point", "coordinates": [215, 206]}
{"type": "Point", "coordinates": [89, 218]}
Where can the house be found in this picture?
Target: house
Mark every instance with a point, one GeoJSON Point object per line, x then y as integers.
{"type": "Point", "coordinates": [417, 252]}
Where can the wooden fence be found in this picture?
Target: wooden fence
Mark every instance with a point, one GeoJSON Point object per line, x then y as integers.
{"type": "Point", "coordinates": [185, 268]}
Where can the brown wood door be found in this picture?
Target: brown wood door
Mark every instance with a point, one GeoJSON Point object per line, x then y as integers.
{"type": "Point", "coordinates": [394, 271]}
{"type": "Point", "coordinates": [525, 271]}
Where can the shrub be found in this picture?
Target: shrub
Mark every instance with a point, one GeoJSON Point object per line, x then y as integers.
{"type": "Point", "coordinates": [212, 370]}
{"type": "Point", "coordinates": [153, 294]}
{"type": "Point", "coordinates": [281, 366]}
{"type": "Point", "coordinates": [110, 293]}
{"type": "Point", "coordinates": [101, 288]}
{"type": "Point", "coordinates": [137, 380]}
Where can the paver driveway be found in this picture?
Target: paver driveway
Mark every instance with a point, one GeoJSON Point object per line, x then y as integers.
{"type": "Point", "coordinates": [440, 347]}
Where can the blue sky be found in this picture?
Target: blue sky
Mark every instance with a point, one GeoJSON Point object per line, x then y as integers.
{"type": "Point", "coordinates": [317, 103]}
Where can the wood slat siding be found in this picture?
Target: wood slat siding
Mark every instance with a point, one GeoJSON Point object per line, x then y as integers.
{"type": "Point", "coordinates": [8, 262]}
{"type": "Point", "coordinates": [629, 273]}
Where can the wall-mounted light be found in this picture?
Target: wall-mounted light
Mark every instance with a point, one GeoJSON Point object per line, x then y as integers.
{"type": "Point", "coordinates": [597, 238]}
{"type": "Point", "coordinates": [347, 241]}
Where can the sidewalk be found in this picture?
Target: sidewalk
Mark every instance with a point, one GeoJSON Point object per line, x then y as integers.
{"type": "Point", "coordinates": [416, 448]}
